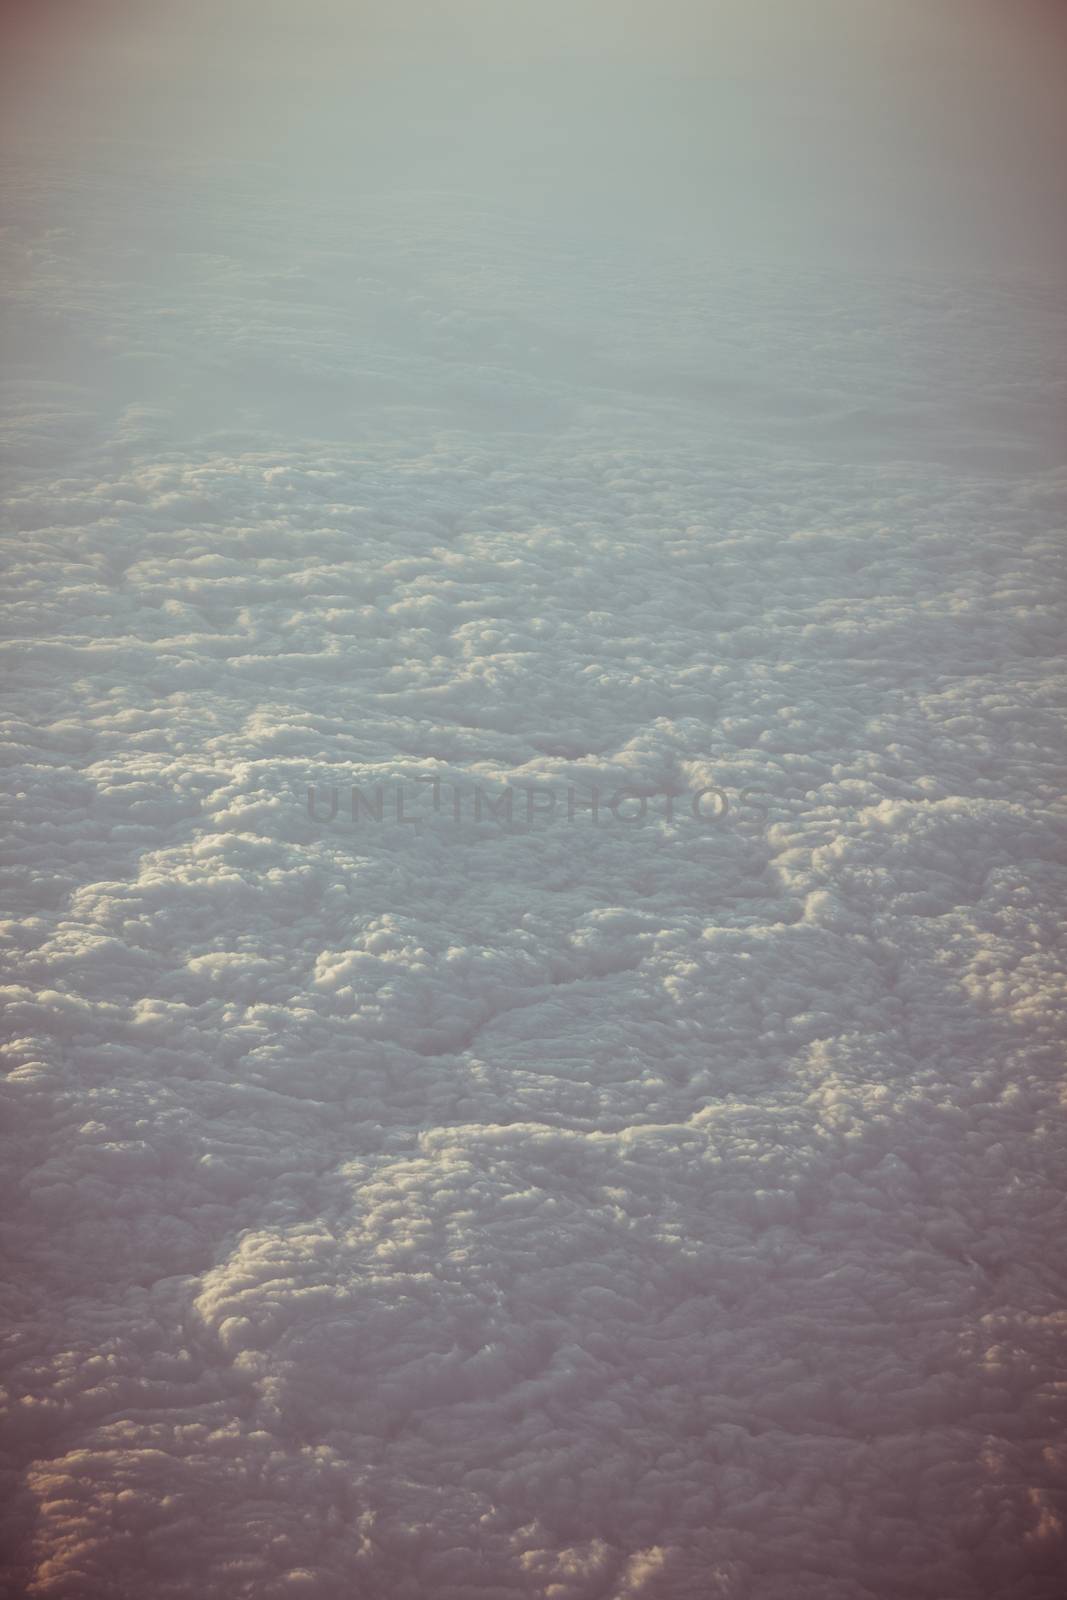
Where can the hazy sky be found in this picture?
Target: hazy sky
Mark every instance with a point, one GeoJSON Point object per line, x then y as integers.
{"type": "Point", "coordinates": [907, 130]}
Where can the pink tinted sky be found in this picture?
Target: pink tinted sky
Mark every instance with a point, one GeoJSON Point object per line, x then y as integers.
{"type": "Point", "coordinates": [885, 126]}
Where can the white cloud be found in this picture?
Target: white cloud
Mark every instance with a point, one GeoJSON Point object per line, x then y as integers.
{"type": "Point", "coordinates": [558, 1210]}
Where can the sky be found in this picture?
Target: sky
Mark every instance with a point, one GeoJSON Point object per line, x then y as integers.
{"type": "Point", "coordinates": [910, 132]}
{"type": "Point", "coordinates": [607, 1142]}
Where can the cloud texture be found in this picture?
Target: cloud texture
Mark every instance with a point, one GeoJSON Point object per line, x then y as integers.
{"type": "Point", "coordinates": [567, 1209]}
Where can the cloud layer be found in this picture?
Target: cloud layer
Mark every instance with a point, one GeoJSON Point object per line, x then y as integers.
{"type": "Point", "coordinates": [565, 1209]}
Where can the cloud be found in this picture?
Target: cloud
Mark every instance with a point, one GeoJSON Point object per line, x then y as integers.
{"type": "Point", "coordinates": [556, 1208]}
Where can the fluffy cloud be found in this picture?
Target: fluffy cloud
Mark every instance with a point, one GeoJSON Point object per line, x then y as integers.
{"type": "Point", "coordinates": [560, 1208]}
